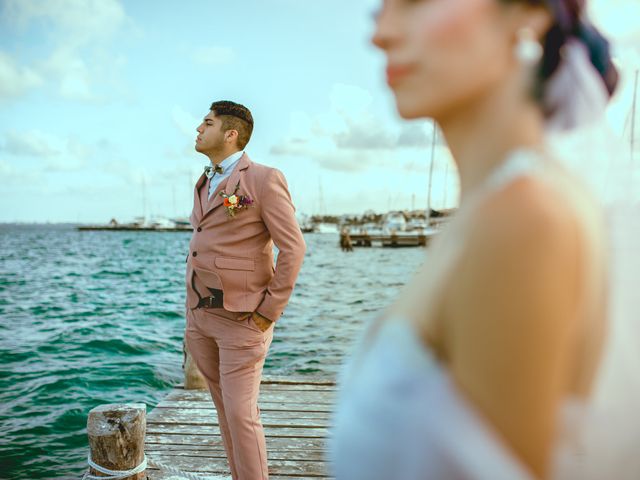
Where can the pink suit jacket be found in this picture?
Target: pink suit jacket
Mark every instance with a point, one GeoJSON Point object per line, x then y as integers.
{"type": "Point", "coordinates": [235, 254]}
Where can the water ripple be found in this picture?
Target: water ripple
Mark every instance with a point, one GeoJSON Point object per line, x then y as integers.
{"type": "Point", "coordinates": [88, 318]}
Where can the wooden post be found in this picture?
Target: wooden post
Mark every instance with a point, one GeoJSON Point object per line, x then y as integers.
{"type": "Point", "coordinates": [193, 379]}
{"type": "Point", "coordinates": [367, 239]}
{"type": "Point", "coordinates": [394, 238]}
{"type": "Point", "coordinates": [116, 437]}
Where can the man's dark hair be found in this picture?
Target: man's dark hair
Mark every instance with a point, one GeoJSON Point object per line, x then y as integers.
{"type": "Point", "coordinates": [234, 117]}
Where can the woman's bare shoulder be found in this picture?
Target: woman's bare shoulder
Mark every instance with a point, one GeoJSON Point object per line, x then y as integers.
{"type": "Point", "coordinates": [529, 208]}
{"type": "Point", "coordinates": [511, 311]}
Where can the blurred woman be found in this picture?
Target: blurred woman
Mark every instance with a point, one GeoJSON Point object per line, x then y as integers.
{"type": "Point", "coordinates": [485, 366]}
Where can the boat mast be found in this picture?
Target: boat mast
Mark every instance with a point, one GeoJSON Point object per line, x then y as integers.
{"type": "Point", "coordinates": [633, 116]}
{"type": "Point", "coordinates": [433, 153]}
{"type": "Point", "coordinates": [446, 184]}
{"type": "Point", "coordinates": [144, 200]}
{"type": "Point", "coordinates": [321, 206]}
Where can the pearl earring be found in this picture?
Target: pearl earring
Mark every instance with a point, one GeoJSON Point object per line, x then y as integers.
{"type": "Point", "coordinates": [528, 50]}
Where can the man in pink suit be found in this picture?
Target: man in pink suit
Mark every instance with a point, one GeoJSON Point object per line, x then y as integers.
{"type": "Point", "coordinates": [235, 294]}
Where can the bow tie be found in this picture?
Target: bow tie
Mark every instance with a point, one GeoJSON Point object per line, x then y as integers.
{"type": "Point", "coordinates": [209, 170]}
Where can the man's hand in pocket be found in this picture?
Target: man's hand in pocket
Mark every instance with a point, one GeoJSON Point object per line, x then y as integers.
{"type": "Point", "coordinates": [263, 323]}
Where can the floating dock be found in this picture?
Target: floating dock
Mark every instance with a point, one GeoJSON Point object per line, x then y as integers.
{"type": "Point", "coordinates": [183, 431]}
{"type": "Point", "coordinates": [134, 228]}
{"type": "Point", "coordinates": [387, 240]}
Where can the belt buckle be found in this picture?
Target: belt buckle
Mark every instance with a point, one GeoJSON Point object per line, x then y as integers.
{"type": "Point", "coordinates": [210, 301]}
{"type": "Point", "coordinates": [214, 300]}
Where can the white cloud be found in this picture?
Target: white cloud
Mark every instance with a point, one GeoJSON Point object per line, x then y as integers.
{"type": "Point", "coordinates": [56, 154]}
{"type": "Point", "coordinates": [76, 22]}
{"type": "Point", "coordinates": [16, 80]}
{"type": "Point", "coordinates": [350, 137]}
{"type": "Point", "coordinates": [124, 170]}
{"type": "Point", "coordinates": [185, 121]}
{"type": "Point", "coordinates": [79, 32]}
{"type": "Point", "coordinates": [350, 99]}
{"type": "Point", "coordinates": [364, 133]}
{"type": "Point", "coordinates": [74, 78]}
{"type": "Point", "coordinates": [32, 144]}
{"type": "Point", "coordinates": [6, 169]}
{"type": "Point", "coordinates": [213, 55]}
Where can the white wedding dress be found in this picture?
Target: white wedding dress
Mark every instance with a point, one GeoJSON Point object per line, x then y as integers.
{"type": "Point", "coordinates": [401, 417]}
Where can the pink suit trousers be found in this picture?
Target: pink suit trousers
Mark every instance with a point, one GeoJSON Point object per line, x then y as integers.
{"type": "Point", "coordinates": [230, 354]}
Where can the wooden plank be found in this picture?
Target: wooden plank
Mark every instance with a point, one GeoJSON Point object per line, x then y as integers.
{"type": "Point", "coordinates": [194, 415]}
{"type": "Point", "coordinates": [321, 398]}
{"type": "Point", "coordinates": [208, 413]}
{"type": "Point", "coordinates": [309, 468]}
{"type": "Point", "coordinates": [304, 404]}
{"type": "Point", "coordinates": [298, 380]}
{"type": "Point", "coordinates": [158, 475]}
{"type": "Point", "coordinates": [279, 445]}
{"type": "Point", "coordinates": [297, 386]}
{"type": "Point", "coordinates": [293, 454]}
{"type": "Point", "coordinates": [274, 387]}
{"type": "Point", "coordinates": [264, 406]}
{"type": "Point", "coordinates": [284, 380]}
{"type": "Point", "coordinates": [267, 421]}
{"type": "Point", "coordinates": [305, 432]}
{"type": "Point", "coordinates": [154, 474]}
{"type": "Point", "coordinates": [179, 440]}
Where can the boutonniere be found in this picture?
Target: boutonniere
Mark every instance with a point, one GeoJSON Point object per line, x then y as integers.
{"type": "Point", "coordinates": [234, 202]}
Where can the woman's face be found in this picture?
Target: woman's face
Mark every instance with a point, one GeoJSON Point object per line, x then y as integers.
{"type": "Point", "coordinates": [442, 55]}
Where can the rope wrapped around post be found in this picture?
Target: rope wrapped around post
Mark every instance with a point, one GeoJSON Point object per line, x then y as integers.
{"type": "Point", "coordinates": [116, 439]}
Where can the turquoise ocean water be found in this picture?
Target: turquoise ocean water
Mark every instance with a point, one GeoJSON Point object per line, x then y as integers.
{"type": "Point", "coordinates": [88, 318]}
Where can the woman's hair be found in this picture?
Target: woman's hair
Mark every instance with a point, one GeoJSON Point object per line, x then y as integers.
{"type": "Point", "coordinates": [570, 22]}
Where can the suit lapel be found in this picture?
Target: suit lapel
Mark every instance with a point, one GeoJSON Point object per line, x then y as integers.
{"type": "Point", "coordinates": [228, 185]}
{"type": "Point", "coordinates": [216, 199]}
{"type": "Point", "coordinates": [197, 204]}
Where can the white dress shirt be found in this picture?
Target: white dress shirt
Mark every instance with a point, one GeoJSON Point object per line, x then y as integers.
{"type": "Point", "coordinates": [228, 164]}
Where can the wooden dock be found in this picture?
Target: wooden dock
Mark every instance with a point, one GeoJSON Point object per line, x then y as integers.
{"type": "Point", "coordinates": [183, 431]}
{"type": "Point", "coordinates": [133, 228]}
{"type": "Point", "coordinates": [387, 240]}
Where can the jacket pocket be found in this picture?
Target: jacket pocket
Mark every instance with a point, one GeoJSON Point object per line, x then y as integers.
{"type": "Point", "coordinates": [235, 263]}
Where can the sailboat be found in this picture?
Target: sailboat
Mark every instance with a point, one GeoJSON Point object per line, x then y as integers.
{"type": "Point", "coordinates": [436, 217]}
{"type": "Point", "coordinates": [633, 117]}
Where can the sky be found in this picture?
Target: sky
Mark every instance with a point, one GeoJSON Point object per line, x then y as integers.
{"type": "Point", "coordinates": [99, 101]}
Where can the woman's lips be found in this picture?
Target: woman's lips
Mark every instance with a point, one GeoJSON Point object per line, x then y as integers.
{"type": "Point", "coordinates": [395, 73]}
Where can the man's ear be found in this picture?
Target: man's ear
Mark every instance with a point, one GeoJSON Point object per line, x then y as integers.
{"type": "Point", "coordinates": [231, 135]}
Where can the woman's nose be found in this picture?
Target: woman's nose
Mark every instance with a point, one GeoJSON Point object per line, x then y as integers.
{"type": "Point", "coordinates": [386, 29]}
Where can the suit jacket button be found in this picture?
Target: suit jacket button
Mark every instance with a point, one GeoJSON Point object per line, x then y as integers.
{"type": "Point", "coordinates": [199, 229]}
{"type": "Point", "coordinates": [195, 254]}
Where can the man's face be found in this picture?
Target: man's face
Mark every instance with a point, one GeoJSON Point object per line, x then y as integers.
{"type": "Point", "coordinates": [210, 137]}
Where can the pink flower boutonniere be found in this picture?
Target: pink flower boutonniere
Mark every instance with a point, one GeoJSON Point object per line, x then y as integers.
{"type": "Point", "coordinates": [235, 202]}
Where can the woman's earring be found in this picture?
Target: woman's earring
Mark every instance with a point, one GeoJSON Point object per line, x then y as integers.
{"type": "Point", "coordinates": [528, 50]}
